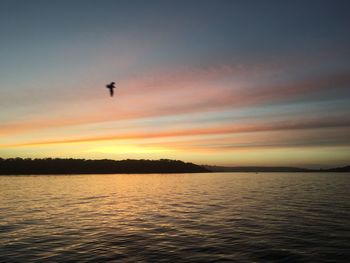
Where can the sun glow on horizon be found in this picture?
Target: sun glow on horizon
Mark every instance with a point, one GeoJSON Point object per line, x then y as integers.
{"type": "Point", "coordinates": [127, 149]}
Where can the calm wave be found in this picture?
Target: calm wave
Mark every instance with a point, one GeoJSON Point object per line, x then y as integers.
{"type": "Point", "coordinates": [219, 217]}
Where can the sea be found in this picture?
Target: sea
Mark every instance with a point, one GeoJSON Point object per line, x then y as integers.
{"type": "Point", "coordinates": [209, 217]}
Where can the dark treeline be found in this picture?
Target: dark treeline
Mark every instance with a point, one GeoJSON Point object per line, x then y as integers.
{"type": "Point", "coordinates": [17, 166]}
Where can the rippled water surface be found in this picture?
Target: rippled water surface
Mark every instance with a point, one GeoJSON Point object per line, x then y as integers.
{"type": "Point", "coordinates": [218, 217]}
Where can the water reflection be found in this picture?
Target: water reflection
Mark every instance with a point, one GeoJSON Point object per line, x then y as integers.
{"type": "Point", "coordinates": [175, 217]}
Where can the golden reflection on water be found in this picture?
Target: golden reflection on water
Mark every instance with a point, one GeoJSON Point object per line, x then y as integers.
{"type": "Point", "coordinates": [168, 216]}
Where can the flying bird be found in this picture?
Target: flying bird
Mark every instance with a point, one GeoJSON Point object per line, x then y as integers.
{"type": "Point", "coordinates": [111, 88]}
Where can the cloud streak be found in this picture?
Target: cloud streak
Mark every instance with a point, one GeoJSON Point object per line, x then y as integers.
{"type": "Point", "coordinates": [184, 92]}
{"type": "Point", "coordinates": [288, 125]}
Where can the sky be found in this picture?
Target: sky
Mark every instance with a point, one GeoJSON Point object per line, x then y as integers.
{"type": "Point", "coordinates": [232, 83]}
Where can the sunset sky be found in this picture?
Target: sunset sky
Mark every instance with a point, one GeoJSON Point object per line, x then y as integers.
{"type": "Point", "coordinates": [209, 82]}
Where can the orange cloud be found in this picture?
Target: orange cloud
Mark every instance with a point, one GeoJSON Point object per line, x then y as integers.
{"type": "Point", "coordinates": [287, 125]}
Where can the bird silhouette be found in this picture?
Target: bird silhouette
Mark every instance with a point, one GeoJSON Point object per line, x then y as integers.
{"type": "Point", "coordinates": [111, 88]}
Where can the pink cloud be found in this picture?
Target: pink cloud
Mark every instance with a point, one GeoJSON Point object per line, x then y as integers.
{"type": "Point", "coordinates": [180, 92]}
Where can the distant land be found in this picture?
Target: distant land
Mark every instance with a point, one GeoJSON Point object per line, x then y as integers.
{"type": "Point", "coordinates": [257, 169]}
{"type": "Point", "coordinates": [19, 166]}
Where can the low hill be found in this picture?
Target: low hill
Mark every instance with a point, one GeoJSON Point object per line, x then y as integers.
{"type": "Point", "coordinates": [17, 166]}
{"type": "Point", "coordinates": [254, 169]}
{"type": "Point", "coordinates": [345, 169]}
{"type": "Point", "coordinates": [270, 169]}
